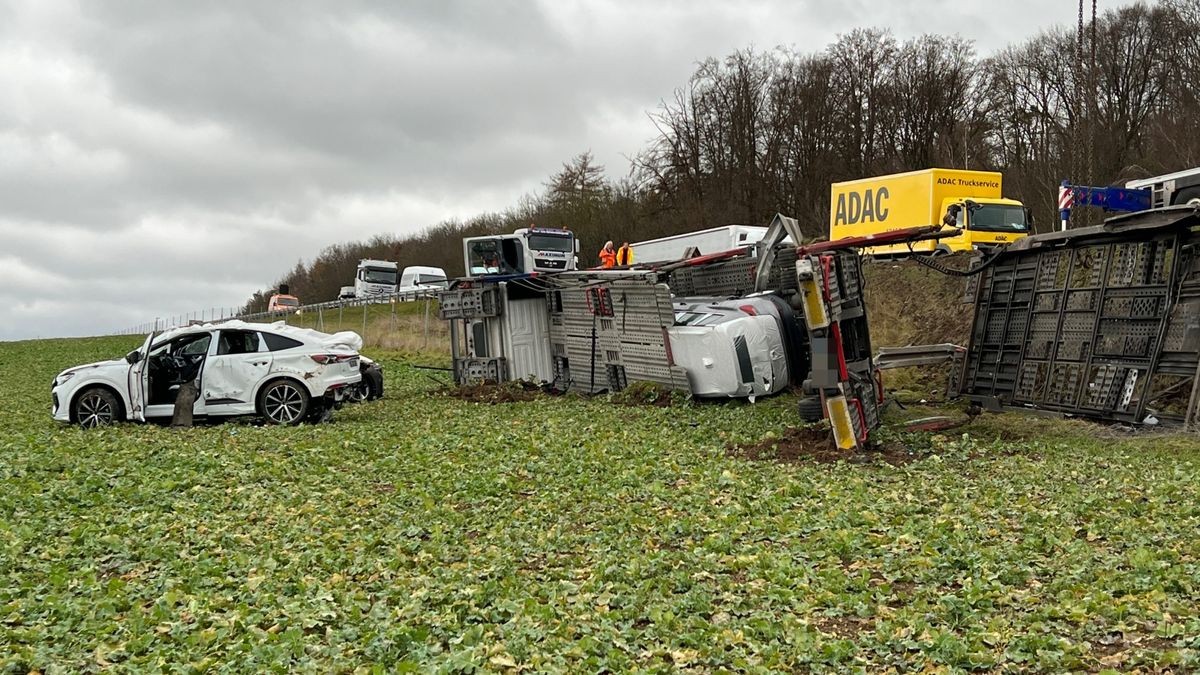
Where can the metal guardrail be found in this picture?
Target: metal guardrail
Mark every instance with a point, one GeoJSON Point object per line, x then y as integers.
{"type": "Point", "coordinates": [218, 315]}
{"type": "Point", "coordinates": [402, 296]}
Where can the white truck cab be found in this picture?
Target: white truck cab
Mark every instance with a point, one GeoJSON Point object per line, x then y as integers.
{"type": "Point", "coordinates": [375, 277]}
{"type": "Point", "coordinates": [525, 251]}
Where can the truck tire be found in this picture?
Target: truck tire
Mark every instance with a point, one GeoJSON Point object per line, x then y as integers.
{"type": "Point", "coordinates": [810, 409]}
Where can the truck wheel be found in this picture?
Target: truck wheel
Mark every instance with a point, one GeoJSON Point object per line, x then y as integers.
{"type": "Point", "coordinates": [95, 407]}
{"type": "Point", "coordinates": [810, 409]}
{"type": "Point", "coordinates": [283, 402]}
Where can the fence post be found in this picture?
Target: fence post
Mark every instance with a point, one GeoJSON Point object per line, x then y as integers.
{"type": "Point", "coordinates": [364, 332]}
{"type": "Point", "coordinates": [425, 344]}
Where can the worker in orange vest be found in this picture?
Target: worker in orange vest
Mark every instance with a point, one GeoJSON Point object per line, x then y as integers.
{"type": "Point", "coordinates": [608, 257]}
{"type": "Point", "coordinates": [625, 255]}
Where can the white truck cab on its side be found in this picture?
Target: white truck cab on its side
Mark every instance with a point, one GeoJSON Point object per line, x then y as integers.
{"type": "Point", "coordinates": [701, 242]}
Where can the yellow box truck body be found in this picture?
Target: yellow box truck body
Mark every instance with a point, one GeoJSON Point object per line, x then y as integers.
{"type": "Point", "coordinates": [968, 204]}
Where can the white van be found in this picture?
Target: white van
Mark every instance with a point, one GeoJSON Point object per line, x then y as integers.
{"type": "Point", "coordinates": [418, 281]}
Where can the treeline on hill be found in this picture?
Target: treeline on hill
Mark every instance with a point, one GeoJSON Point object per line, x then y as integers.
{"type": "Point", "coordinates": [759, 133]}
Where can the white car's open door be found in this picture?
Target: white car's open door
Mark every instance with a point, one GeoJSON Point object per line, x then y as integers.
{"type": "Point", "coordinates": [139, 379]}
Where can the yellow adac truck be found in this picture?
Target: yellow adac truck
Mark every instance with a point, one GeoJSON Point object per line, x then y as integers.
{"type": "Point", "coordinates": [967, 203]}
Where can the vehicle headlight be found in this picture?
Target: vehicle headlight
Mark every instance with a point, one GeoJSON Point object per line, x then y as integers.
{"type": "Point", "coordinates": [62, 379]}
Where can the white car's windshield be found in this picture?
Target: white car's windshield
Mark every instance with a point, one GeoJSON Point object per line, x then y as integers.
{"type": "Point", "coordinates": [194, 344]}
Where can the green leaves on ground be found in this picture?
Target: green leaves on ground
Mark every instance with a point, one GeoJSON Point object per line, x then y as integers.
{"type": "Point", "coordinates": [428, 532]}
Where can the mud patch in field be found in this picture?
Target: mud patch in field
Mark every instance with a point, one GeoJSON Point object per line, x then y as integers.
{"type": "Point", "coordinates": [493, 393]}
{"type": "Point", "coordinates": [815, 444]}
{"type": "Point", "coordinates": [843, 627]}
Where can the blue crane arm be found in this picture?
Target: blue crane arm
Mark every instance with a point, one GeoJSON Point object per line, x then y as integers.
{"type": "Point", "coordinates": [1109, 198]}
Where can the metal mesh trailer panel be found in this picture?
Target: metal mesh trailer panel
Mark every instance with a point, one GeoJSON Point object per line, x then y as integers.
{"type": "Point", "coordinates": [735, 278]}
{"type": "Point", "coordinates": [1101, 322]}
{"type": "Point", "coordinates": [607, 333]}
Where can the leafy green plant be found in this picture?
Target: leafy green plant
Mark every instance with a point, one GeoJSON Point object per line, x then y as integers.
{"type": "Point", "coordinates": [424, 532]}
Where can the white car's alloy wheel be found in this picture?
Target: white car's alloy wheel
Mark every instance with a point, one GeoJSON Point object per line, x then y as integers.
{"type": "Point", "coordinates": [284, 403]}
{"type": "Point", "coordinates": [95, 408]}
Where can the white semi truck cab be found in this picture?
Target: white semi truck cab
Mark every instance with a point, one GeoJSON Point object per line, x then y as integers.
{"type": "Point", "coordinates": [376, 277]}
{"type": "Point", "coordinates": [525, 251]}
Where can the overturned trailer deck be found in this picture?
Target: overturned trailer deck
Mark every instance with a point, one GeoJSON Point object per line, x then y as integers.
{"type": "Point", "coordinates": [742, 323]}
{"type": "Point", "coordinates": [1102, 322]}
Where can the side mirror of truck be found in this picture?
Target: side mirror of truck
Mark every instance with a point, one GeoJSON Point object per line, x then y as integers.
{"type": "Point", "coordinates": [953, 217]}
{"type": "Point", "coordinates": [577, 246]}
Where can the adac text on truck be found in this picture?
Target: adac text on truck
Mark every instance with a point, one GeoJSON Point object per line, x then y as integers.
{"type": "Point", "coordinates": [967, 203]}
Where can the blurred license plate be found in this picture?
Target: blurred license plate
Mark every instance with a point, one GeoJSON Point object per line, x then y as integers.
{"type": "Point", "coordinates": [353, 363]}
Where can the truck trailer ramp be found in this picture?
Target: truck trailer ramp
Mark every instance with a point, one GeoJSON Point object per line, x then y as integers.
{"type": "Point", "coordinates": [1100, 322]}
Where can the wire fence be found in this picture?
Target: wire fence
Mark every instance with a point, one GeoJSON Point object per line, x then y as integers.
{"type": "Point", "coordinates": [211, 315]}
{"type": "Point", "coordinates": [333, 315]}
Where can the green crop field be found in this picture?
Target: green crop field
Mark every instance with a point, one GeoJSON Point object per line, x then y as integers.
{"type": "Point", "coordinates": [426, 532]}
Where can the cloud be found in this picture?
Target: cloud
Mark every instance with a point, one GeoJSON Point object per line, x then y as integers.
{"type": "Point", "coordinates": [159, 158]}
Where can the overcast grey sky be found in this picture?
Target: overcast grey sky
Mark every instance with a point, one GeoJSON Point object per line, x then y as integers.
{"type": "Point", "coordinates": [162, 157]}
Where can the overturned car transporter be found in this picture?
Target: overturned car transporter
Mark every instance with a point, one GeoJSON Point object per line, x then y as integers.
{"type": "Point", "coordinates": [741, 323]}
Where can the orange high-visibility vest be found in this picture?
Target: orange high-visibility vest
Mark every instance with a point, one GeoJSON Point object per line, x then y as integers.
{"type": "Point", "coordinates": [607, 258]}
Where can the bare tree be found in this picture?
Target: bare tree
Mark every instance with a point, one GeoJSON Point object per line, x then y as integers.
{"type": "Point", "coordinates": [755, 133]}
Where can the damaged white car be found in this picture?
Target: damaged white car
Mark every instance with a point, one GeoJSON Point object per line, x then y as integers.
{"type": "Point", "coordinates": [733, 347]}
{"type": "Point", "coordinates": [281, 373]}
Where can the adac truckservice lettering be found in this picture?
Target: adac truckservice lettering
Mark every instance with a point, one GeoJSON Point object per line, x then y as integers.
{"type": "Point", "coordinates": [962, 182]}
{"type": "Point", "coordinates": [870, 206]}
